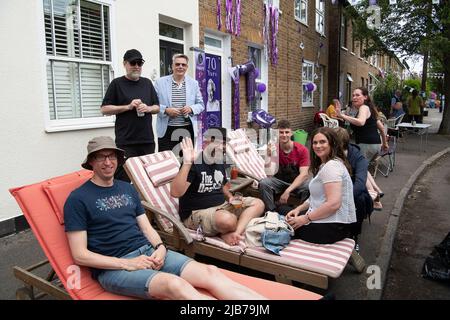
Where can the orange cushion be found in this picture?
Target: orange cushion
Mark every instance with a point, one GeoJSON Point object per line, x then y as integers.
{"type": "Point", "coordinates": [58, 192]}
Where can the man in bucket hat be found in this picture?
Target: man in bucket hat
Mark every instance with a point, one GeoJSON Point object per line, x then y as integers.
{"type": "Point", "coordinates": [109, 232]}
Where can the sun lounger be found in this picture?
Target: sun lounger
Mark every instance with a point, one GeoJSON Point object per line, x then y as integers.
{"type": "Point", "coordinates": [300, 261]}
{"type": "Point", "coordinates": [42, 204]}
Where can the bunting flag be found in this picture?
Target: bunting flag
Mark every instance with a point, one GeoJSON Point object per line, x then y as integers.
{"type": "Point", "coordinates": [275, 13]}
{"type": "Point", "coordinates": [219, 14]}
{"type": "Point", "coordinates": [237, 18]}
{"type": "Point", "coordinates": [372, 2]}
{"type": "Point", "coordinates": [392, 2]}
{"type": "Point", "coordinates": [435, 1]}
{"type": "Point", "coordinates": [266, 34]}
{"type": "Point", "coordinates": [229, 16]}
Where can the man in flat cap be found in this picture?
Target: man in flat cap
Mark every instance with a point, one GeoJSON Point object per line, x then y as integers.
{"type": "Point", "coordinates": [133, 100]}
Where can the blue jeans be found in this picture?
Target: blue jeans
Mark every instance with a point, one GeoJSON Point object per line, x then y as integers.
{"type": "Point", "coordinates": [136, 283]}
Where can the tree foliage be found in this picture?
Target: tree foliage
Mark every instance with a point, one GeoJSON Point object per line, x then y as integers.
{"type": "Point", "coordinates": [409, 28]}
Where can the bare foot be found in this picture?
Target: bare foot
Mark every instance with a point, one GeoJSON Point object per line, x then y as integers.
{"type": "Point", "coordinates": [231, 238]}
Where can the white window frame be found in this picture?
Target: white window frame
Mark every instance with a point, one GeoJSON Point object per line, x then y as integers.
{"type": "Point", "coordinates": [306, 79]}
{"type": "Point", "coordinates": [320, 13]}
{"type": "Point", "coordinates": [58, 125]}
{"type": "Point", "coordinates": [300, 18]}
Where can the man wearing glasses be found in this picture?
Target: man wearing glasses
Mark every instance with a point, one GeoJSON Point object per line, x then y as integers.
{"type": "Point", "coordinates": [133, 100]}
{"type": "Point", "coordinates": [108, 232]}
{"type": "Point", "coordinates": [180, 103]}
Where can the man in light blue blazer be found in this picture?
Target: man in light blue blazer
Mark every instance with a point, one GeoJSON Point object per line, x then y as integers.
{"type": "Point", "coordinates": [180, 102]}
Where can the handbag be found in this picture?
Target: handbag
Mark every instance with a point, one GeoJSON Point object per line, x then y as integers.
{"type": "Point", "coordinates": [271, 221]}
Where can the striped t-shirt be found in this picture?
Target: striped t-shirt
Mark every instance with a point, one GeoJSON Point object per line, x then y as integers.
{"type": "Point", "coordinates": [178, 101]}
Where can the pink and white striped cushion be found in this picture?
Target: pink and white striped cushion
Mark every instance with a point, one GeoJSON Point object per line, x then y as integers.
{"type": "Point", "coordinates": [162, 172]}
{"type": "Point", "coordinates": [328, 259]}
{"type": "Point", "coordinates": [157, 196]}
{"type": "Point", "coordinates": [250, 161]}
{"type": "Point", "coordinates": [218, 242]}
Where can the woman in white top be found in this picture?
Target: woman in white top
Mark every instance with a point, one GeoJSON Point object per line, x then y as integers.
{"type": "Point", "coordinates": [330, 208]}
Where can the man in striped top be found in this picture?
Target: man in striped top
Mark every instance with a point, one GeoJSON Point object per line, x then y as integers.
{"type": "Point", "coordinates": [180, 103]}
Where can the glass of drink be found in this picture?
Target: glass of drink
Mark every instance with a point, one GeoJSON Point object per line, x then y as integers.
{"type": "Point", "coordinates": [140, 114]}
{"type": "Point", "coordinates": [236, 201]}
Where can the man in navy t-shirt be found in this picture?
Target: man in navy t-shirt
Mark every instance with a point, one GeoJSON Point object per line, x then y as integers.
{"type": "Point", "coordinates": [108, 231]}
{"type": "Point", "coordinates": [204, 192]}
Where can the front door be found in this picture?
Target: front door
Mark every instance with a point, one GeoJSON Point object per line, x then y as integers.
{"type": "Point", "coordinates": [166, 51]}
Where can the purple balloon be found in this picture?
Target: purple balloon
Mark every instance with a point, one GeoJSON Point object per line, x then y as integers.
{"type": "Point", "coordinates": [310, 86]}
{"type": "Point", "coordinates": [261, 87]}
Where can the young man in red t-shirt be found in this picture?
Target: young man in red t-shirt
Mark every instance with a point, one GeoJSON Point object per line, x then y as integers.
{"type": "Point", "coordinates": [293, 172]}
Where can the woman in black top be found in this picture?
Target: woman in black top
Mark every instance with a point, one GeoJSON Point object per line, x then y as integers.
{"type": "Point", "coordinates": [366, 126]}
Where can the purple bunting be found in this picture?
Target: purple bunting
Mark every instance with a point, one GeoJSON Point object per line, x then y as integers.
{"type": "Point", "coordinates": [237, 19]}
{"type": "Point", "coordinates": [219, 14]}
{"type": "Point", "coordinates": [266, 34]}
{"type": "Point", "coordinates": [372, 2]}
{"type": "Point", "coordinates": [229, 16]}
{"type": "Point", "coordinates": [275, 14]}
{"type": "Point", "coordinates": [236, 101]}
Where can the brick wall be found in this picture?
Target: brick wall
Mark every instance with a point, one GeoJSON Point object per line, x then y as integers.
{"type": "Point", "coordinates": [284, 80]}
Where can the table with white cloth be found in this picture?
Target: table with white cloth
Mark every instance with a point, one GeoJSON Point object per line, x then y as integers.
{"type": "Point", "coordinates": [420, 129]}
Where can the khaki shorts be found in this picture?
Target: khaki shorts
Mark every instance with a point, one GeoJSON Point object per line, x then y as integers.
{"type": "Point", "coordinates": [205, 217]}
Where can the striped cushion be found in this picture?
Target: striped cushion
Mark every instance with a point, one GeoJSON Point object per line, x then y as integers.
{"type": "Point", "coordinates": [248, 162]}
{"type": "Point", "coordinates": [157, 196]}
{"type": "Point", "coordinates": [328, 259]}
{"type": "Point", "coordinates": [239, 145]}
{"type": "Point", "coordinates": [162, 172]}
{"type": "Point", "coordinates": [218, 242]}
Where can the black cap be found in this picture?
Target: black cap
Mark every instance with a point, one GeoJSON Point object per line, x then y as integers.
{"type": "Point", "coordinates": [216, 133]}
{"type": "Point", "coordinates": [132, 55]}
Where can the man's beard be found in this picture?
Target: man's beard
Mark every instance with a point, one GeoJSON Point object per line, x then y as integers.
{"type": "Point", "coordinates": [134, 75]}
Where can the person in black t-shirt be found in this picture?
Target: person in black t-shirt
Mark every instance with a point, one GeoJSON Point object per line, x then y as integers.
{"type": "Point", "coordinates": [204, 192]}
{"type": "Point", "coordinates": [133, 100]}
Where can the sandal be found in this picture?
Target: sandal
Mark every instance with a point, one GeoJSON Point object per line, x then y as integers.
{"type": "Point", "coordinates": [377, 206]}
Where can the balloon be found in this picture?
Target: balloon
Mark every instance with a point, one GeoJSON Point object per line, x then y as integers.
{"type": "Point", "coordinates": [261, 87]}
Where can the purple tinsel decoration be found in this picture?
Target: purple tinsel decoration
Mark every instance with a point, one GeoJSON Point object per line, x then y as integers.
{"type": "Point", "coordinates": [229, 17]}
{"type": "Point", "coordinates": [219, 14]}
{"type": "Point", "coordinates": [236, 101]}
{"type": "Point", "coordinates": [266, 34]}
{"type": "Point", "coordinates": [248, 69]}
{"type": "Point", "coordinates": [275, 16]}
{"type": "Point", "coordinates": [237, 20]}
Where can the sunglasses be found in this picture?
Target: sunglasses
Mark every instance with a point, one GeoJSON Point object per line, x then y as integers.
{"type": "Point", "coordinates": [184, 65]}
{"type": "Point", "coordinates": [136, 62]}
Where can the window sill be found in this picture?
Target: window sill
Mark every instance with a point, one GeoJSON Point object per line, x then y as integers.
{"type": "Point", "coordinates": [79, 124]}
{"type": "Point", "coordinates": [307, 106]}
{"type": "Point", "coordinates": [305, 23]}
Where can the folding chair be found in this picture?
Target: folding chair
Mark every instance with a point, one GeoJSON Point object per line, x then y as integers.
{"type": "Point", "coordinates": [392, 128]}
{"type": "Point", "coordinates": [300, 261]}
{"type": "Point", "coordinates": [42, 204]}
{"type": "Point", "coordinates": [384, 162]}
